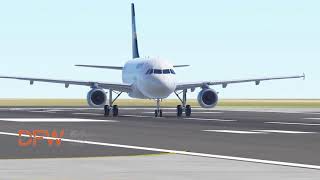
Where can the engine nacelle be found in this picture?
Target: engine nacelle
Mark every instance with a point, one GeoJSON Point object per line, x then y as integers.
{"type": "Point", "coordinates": [97, 97]}
{"type": "Point", "coordinates": [208, 98]}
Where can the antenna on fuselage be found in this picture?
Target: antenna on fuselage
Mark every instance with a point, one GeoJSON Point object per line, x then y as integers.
{"type": "Point", "coordinates": [135, 51]}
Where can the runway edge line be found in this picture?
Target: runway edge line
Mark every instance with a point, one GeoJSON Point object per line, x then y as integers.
{"type": "Point", "coordinates": [297, 165]}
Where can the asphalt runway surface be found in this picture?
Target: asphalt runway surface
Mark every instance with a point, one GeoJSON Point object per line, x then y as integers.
{"type": "Point", "coordinates": [276, 135]}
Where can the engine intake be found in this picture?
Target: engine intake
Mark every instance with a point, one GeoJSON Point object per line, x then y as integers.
{"type": "Point", "coordinates": [208, 98]}
{"type": "Point", "coordinates": [97, 97]}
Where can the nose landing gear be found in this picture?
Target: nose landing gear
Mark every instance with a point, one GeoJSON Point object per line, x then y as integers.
{"type": "Point", "coordinates": [158, 111]}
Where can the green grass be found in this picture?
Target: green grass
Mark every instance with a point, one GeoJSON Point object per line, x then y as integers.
{"type": "Point", "coordinates": [307, 103]}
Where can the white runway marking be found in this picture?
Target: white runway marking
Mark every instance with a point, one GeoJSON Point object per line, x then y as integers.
{"type": "Point", "coordinates": [259, 131]}
{"type": "Point", "coordinates": [285, 132]}
{"type": "Point", "coordinates": [272, 110]}
{"type": "Point", "coordinates": [53, 120]}
{"type": "Point", "coordinates": [43, 111]}
{"type": "Point", "coordinates": [94, 114]}
{"type": "Point", "coordinates": [204, 119]}
{"type": "Point", "coordinates": [180, 152]}
{"type": "Point", "coordinates": [137, 116]}
{"type": "Point", "coordinates": [193, 112]}
{"type": "Point", "coordinates": [235, 132]}
{"type": "Point", "coordinates": [315, 118]}
{"type": "Point", "coordinates": [292, 123]}
{"type": "Point", "coordinates": [206, 112]}
{"type": "Point", "coordinates": [167, 108]}
{"type": "Point", "coordinates": [315, 113]}
{"type": "Point", "coordinates": [54, 110]}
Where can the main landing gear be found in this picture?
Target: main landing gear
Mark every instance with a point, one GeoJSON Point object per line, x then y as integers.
{"type": "Point", "coordinates": [183, 108]}
{"type": "Point", "coordinates": [112, 108]}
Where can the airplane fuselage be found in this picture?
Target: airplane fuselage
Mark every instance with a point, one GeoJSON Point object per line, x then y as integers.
{"type": "Point", "coordinates": [151, 78]}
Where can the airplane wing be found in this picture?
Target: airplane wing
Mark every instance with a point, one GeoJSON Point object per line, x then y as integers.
{"type": "Point", "coordinates": [182, 65]}
{"type": "Point", "coordinates": [102, 67]}
{"type": "Point", "coordinates": [115, 86]}
{"type": "Point", "coordinates": [183, 86]}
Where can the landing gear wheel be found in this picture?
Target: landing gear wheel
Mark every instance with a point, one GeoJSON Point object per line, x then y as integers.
{"type": "Point", "coordinates": [188, 110]}
{"type": "Point", "coordinates": [115, 110]}
{"type": "Point", "coordinates": [156, 113]}
{"type": "Point", "coordinates": [106, 110]}
{"type": "Point", "coordinates": [179, 111]}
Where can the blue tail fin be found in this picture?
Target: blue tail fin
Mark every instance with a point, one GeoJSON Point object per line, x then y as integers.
{"type": "Point", "coordinates": [135, 51]}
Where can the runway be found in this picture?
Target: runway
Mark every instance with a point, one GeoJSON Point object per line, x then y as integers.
{"type": "Point", "coordinates": [279, 135]}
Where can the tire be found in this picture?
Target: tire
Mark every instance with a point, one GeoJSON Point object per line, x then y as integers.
{"type": "Point", "coordinates": [160, 113]}
{"type": "Point", "coordinates": [106, 110]}
{"type": "Point", "coordinates": [179, 111]}
{"type": "Point", "coordinates": [155, 113]}
{"type": "Point", "coordinates": [115, 110]}
{"type": "Point", "coordinates": [188, 110]}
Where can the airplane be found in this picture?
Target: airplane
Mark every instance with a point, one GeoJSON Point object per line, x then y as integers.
{"type": "Point", "coordinates": [148, 78]}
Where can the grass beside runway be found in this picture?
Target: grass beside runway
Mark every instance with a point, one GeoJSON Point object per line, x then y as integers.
{"type": "Point", "coordinates": [281, 103]}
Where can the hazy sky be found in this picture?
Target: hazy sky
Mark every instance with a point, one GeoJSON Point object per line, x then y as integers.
{"type": "Point", "coordinates": [220, 39]}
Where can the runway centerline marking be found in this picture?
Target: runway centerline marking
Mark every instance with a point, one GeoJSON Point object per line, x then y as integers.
{"type": "Point", "coordinates": [205, 119]}
{"type": "Point", "coordinates": [235, 131]}
{"type": "Point", "coordinates": [285, 132]}
{"type": "Point", "coordinates": [293, 123]}
{"type": "Point", "coordinates": [298, 165]}
{"type": "Point", "coordinates": [53, 120]}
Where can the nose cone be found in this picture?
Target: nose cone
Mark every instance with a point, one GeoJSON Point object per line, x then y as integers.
{"type": "Point", "coordinates": [158, 86]}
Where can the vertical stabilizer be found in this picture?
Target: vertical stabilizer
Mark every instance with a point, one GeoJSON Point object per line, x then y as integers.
{"type": "Point", "coordinates": [135, 51]}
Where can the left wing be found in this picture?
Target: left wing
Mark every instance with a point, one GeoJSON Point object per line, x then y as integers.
{"type": "Point", "coordinates": [183, 86]}
{"type": "Point", "coordinates": [115, 86]}
{"type": "Point", "coordinates": [102, 67]}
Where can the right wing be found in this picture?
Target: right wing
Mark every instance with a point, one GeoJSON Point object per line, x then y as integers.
{"type": "Point", "coordinates": [182, 65]}
{"type": "Point", "coordinates": [115, 86]}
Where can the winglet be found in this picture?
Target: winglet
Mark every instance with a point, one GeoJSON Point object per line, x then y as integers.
{"type": "Point", "coordinates": [135, 51]}
{"type": "Point", "coordinates": [304, 76]}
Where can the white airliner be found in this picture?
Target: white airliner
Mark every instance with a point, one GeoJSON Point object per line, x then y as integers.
{"type": "Point", "coordinates": [148, 78]}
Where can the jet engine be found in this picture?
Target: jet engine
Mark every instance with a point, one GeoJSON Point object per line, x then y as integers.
{"type": "Point", "coordinates": [97, 97]}
{"type": "Point", "coordinates": [208, 98]}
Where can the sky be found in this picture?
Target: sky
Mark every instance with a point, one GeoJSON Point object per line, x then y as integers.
{"type": "Point", "coordinates": [221, 40]}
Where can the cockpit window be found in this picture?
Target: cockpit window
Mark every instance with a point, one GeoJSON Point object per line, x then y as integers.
{"type": "Point", "coordinates": [157, 71]}
{"type": "Point", "coordinates": [166, 71]}
{"type": "Point", "coordinates": [160, 71]}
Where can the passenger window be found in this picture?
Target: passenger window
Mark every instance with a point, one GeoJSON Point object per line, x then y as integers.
{"type": "Point", "coordinates": [166, 71]}
{"type": "Point", "coordinates": [158, 71]}
{"type": "Point", "coordinates": [172, 71]}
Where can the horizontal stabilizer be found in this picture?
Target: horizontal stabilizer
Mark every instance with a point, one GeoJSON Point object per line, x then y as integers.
{"type": "Point", "coordinates": [102, 67]}
{"type": "Point", "coordinates": [177, 66]}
